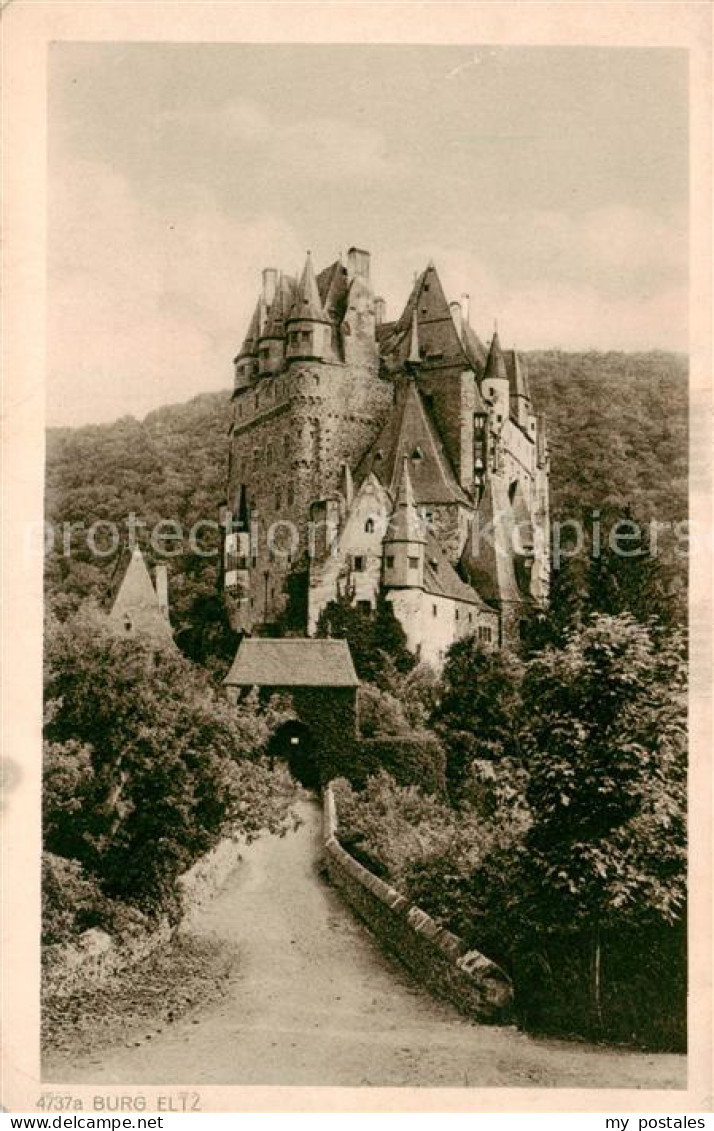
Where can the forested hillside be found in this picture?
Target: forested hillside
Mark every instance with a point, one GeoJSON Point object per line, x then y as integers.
{"type": "Point", "coordinates": [617, 424]}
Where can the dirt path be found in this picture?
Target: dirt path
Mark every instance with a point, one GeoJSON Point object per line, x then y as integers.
{"type": "Point", "coordinates": [315, 1002]}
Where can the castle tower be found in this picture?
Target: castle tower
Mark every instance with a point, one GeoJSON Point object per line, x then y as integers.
{"type": "Point", "coordinates": [271, 343]}
{"type": "Point", "coordinates": [245, 363]}
{"type": "Point", "coordinates": [520, 397]}
{"type": "Point", "coordinates": [495, 386]}
{"type": "Point", "coordinates": [309, 333]}
{"type": "Point", "coordinates": [405, 541]}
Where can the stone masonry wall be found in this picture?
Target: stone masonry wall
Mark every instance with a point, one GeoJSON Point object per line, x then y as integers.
{"type": "Point", "coordinates": [439, 959]}
{"type": "Point", "coordinates": [291, 434]}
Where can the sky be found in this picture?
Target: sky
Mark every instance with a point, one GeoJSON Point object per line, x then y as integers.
{"type": "Point", "coordinates": [548, 183]}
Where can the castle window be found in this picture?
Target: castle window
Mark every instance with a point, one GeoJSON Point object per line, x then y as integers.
{"type": "Point", "coordinates": [456, 613]}
{"type": "Point", "coordinates": [256, 457]}
{"type": "Point", "coordinates": [369, 526]}
{"type": "Point", "coordinates": [488, 635]}
{"type": "Point", "coordinates": [434, 611]}
{"type": "Point", "coordinates": [364, 606]}
{"type": "Point", "coordinates": [390, 561]}
{"type": "Point", "coordinates": [286, 446]}
{"type": "Point", "coordinates": [241, 563]}
{"type": "Point", "coordinates": [127, 623]}
{"type": "Point", "coordinates": [359, 564]}
{"type": "Point", "coordinates": [278, 498]}
{"type": "Point", "coordinates": [291, 495]}
{"type": "Point", "coordinates": [269, 454]}
{"type": "Point", "coordinates": [471, 618]}
{"type": "Point", "coordinates": [413, 563]}
{"type": "Point", "coordinates": [417, 454]}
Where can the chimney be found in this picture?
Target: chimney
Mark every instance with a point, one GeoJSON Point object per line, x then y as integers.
{"type": "Point", "coordinates": [270, 282]}
{"type": "Point", "coordinates": [358, 263]}
{"type": "Point", "coordinates": [465, 300]}
{"type": "Point", "coordinates": [162, 590]}
{"type": "Point", "coordinates": [455, 309]}
{"type": "Point", "coordinates": [380, 309]}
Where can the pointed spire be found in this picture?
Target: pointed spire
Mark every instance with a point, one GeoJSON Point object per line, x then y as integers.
{"type": "Point", "coordinates": [495, 363]}
{"type": "Point", "coordinates": [406, 525]}
{"type": "Point", "coordinates": [307, 303]}
{"type": "Point", "coordinates": [275, 324]}
{"type": "Point", "coordinates": [250, 342]}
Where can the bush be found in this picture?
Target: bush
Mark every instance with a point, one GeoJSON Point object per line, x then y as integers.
{"type": "Point", "coordinates": [387, 826]}
{"type": "Point", "coordinates": [146, 767]}
{"type": "Point", "coordinates": [417, 760]}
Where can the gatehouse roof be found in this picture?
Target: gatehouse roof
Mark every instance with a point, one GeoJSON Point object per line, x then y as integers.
{"type": "Point", "coordinates": [293, 662]}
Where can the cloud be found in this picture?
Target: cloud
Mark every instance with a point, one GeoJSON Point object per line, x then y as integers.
{"type": "Point", "coordinates": [614, 277]}
{"type": "Point", "coordinates": [149, 298]}
{"type": "Point", "coordinates": [144, 305]}
{"type": "Point", "coordinates": [323, 148]}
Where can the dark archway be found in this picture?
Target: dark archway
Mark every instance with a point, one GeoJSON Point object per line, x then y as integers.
{"type": "Point", "coordinates": [295, 744]}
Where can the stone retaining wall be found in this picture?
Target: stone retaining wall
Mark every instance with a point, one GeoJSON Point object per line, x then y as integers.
{"type": "Point", "coordinates": [440, 960]}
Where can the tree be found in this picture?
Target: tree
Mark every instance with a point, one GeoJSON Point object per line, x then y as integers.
{"type": "Point", "coordinates": [478, 712]}
{"type": "Point", "coordinates": [146, 766]}
{"type": "Point", "coordinates": [376, 638]}
{"type": "Point", "coordinates": [605, 748]}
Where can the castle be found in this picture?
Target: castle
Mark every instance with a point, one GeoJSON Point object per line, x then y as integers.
{"type": "Point", "coordinates": [373, 458]}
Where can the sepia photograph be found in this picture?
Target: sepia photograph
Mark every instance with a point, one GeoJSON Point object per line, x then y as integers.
{"type": "Point", "coordinates": [365, 551]}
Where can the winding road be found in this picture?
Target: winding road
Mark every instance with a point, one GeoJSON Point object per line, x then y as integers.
{"type": "Point", "coordinates": [316, 1002]}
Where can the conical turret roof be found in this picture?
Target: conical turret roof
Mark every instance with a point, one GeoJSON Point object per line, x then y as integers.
{"type": "Point", "coordinates": [136, 608]}
{"type": "Point", "coordinates": [275, 324]}
{"type": "Point", "coordinates": [405, 524]}
{"type": "Point", "coordinates": [495, 363]}
{"type": "Point", "coordinates": [307, 304]}
{"type": "Point", "coordinates": [517, 379]}
{"type": "Point", "coordinates": [250, 342]}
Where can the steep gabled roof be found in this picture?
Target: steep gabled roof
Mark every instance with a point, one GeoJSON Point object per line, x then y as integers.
{"type": "Point", "coordinates": [441, 579]}
{"type": "Point", "coordinates": [136, 606]}
{"type": "Point", "coordinates": [261, 662]}
{"type": "Point", "coordinates": [487, 559]}
{"type": "Point", "coordinates": [474, 348]}
{"type": "Point", "coordinates": [410, 432]}
{"type": "Point", "coordinates": [333, 285]}
{"type": "Point", "coordinates": [438, 337]}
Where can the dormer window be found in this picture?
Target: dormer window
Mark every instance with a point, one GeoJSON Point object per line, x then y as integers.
{"type": "Point", "coordinates": [417, 454]}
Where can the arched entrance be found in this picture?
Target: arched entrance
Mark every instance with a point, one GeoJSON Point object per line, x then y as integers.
{"type": "Point", "coordinates": [295, 744]}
